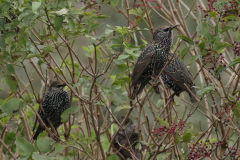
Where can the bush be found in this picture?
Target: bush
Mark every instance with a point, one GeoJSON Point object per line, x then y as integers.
{"type": "Point", "coordinates": [92, 46]}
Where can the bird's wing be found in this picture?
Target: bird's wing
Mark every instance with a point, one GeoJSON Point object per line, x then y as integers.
{"type": "Point", "coordinates": [178, 71]}
{"type": "Point", "coordinates": [142, 62]}
{"type": "Point", "coordinates": [66, 102]}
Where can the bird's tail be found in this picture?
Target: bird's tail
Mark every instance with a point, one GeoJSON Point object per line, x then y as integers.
{"type": "Point", "coordinates": [137, 91]}
{"type": "Point", "coordinates": [39, 130]}
{"type": "Point", "coordinates": [194, 96]}
{"type": "Point", "coordinates": [134, 92]}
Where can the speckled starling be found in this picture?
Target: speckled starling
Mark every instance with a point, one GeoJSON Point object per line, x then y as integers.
{"type": "Point", "coordinates": [128, 138]}
{"type": "Point", "coordinates": [152, 59]}
{"type": "Point", "coordinates": [5, 21]}
{"type": "Point", "coordinates": [54, 103]}
{"type": "Point", "coordinates": [176, 74]}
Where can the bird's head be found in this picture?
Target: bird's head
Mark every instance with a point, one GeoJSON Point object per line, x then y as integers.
{"type": "Point", "coordinates": [57, 86]}
{"type": "Point", "coordinates": [163, 33]}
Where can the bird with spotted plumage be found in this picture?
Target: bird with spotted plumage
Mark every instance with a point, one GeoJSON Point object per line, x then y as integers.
{"type": "Point", "coordinates": [152, 59]}
{"type": "Point", "coordinates": [177, 77]}
{"type": "Point", "coordinates": [55, 102]}
{"type": "Point", "coordinates": [155, 55]}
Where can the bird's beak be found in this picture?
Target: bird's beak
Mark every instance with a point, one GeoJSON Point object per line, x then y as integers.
{"type": "Point", "coordinates": [172, 27]}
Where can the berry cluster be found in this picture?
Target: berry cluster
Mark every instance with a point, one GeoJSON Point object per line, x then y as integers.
{"type": "Point", "coordinates": [233, 152]}
{"type": "Point", "coordinates": [172, 130]}
{"type": "Point", "coordinates": [236, 48]}
{"type": "Point", "coordinates": [201, 149]}
{"type": "Point", "coordinates": [229, 8]}
{"type": "Point", "coordinates": [214, 59]}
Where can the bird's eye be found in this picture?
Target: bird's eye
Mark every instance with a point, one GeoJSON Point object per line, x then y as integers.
{"type": "Point", "coordinates": [166, 30]}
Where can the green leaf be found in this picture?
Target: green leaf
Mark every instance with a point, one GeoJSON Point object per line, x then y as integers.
{"type": "Point", "coordinates": [122, 67]}
{"type": "Point", "coordinates": [24, 147]}
{"type": "Point", "coordinates": [163, 156]}
{"type": "Point", "coordinates": [188, 135]}
{"type": "Point", "coordinates": [91, 39]}
{"type": "Point", "coordinates": [67, 112]}
{"type": "Point", "coordinates": [35, 6]}
{"type": "Point", "coordinates": [118, 82]}
{"type": "Point", "coordinates": [59, 148]}
{"type": "Point", "coordinates": [238, 34]}
{"type": "Point", "coordinates": [184, 51]}
{"type": "Point", "coordinates": [225, 29]}
{"type": "Point", "coordinates": [29, 56]}
{"type": "Point", "coordinates": [2, 42]}
{"type": "Point", "coordinates": [186, 39]}
{"type": "Point", "coordinates": [122, 57]}
{"type": "Point", "coordinates": [36, 156]}
{"type": "Point", "coordinates": [194, 58]}
{"type": "Point", "coordinates": [43, 144]}
{"type": "Point", "coordinates": [81, 82]}
{"type": "Point", "coordinates": [12, 83]}
{"type": "Point", "coordinates": [119, 108]}
{"type": "Point", "coordinates": [109, 31]}
{"type": "Point", "coordinates": [221, 45]}
{"type": "Point", "coordinates": [87, 140]}
{"type": "Point", "coordinates": [216, 30]}
{"type": "Point", "coordinates": [162, 122]}
{"type": "Point", "coordinates": [212, 13]}
{"type": "Point", "coordinates": [5, 6]}
{"type": "Point", "coordinates": [57, 70]}
{"type": "Point", "coordinates": [160, 102]}
{"type": "Point", "coordinates": [229, 17]}
{"type": "Point", "coordinates": [11, 106]}
{"type": "Point", "coordinates": [202, 28]}
{"type": "Point", "coordinates": [93, 27]}
{"type": "Point", "coordinates": [58, 21]}
{"type": "Point", "coordinates": [10, 69]}
{"type": "Point", "coordinates": [235, 61]}
{"type": "Point", "coordinates": [219, 70]}
{"type": "Point", "coordinates": [71, 25]}
{"type": "Point", "coordinates": [135, 12]}
{"type": "Point", "coordinates": [205, 89]}
{"type": "Point", "coordinates": [237, 110]}
{"type": "Point", "coordinates": [62, 3]}
{"type": "Point", "coordinates": [25, 13]}
{"type": "Point", "coordinates": [23, 38]}
{"type": "Point", "coordinates": [114, 2]}
{"type": "Point", "coordinates": [202, 48]}
{"type": "Point", "coordinates": [209, 37]}
{"type": "Point", "coordinates": [177, 138]}
{"type": "Point", "coordinates": [60, 12]}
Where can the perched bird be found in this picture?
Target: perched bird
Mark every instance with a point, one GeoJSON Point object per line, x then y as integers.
{"type": "Point", "coordinates": [6, 21]}
{"type": "Point", "coordinates": [129, 138]}
{"type": "Point", "coordinates": [152, 59]}
{"type": "Point", "coordinates": [176, 74]}
{"type": "Point", "coordinates": [54, 103]}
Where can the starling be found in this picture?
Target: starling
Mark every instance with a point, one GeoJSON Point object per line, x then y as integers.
{"type": "Point", "coordinates": [6, 21]}
{"type": "Point", "coordinates": [176, 74]}
{"type": "Point", "coordinates": [152, 59]}
{"type": "Point", "coordinates": [131, 136]}
{"type": "Point", "coordinates": [55, 102]}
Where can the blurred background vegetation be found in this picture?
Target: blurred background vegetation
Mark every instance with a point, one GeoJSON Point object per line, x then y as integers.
{"type": "Point", "coordinates": [63, 38]}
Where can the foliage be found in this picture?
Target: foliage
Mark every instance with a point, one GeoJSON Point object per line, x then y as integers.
{"type": "Point", "coordinates": [83, 44]}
